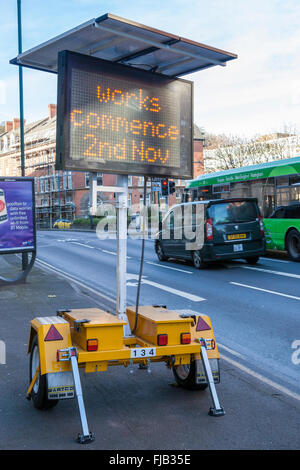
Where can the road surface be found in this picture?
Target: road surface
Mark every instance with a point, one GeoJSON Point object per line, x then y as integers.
{"type": "Point", "coordinates": [255, 310]}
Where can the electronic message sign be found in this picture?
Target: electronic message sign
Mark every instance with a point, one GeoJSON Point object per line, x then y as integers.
{"type": "Point", "coordinates": [119, 119]}
{"type": "Point", "coordinates": [17, 218]}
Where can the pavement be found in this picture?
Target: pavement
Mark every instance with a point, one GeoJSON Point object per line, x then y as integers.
{"type": "Point", "coordinates": [127, 411]}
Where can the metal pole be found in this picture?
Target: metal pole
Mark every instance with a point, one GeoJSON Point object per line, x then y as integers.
{"type": "Point", "coordinates": [92, 197]}
{"type": "Point", "coordinates": [59, 201]}
{"type": "Point", "coordinates": [217, 409]}
{"type": "Point", "coordinates": [24, 255]}
{"type": "Point", "coordinates": [86, 435]}
{"type": "Point", "coordinates": [21, 91]}
{"type": "Point", "coordinates": [122, 203]}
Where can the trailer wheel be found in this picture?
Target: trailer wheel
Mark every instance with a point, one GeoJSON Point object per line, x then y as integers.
{"type": "Point", "coordinates": [185, 376]}
{"type": "Point", "coordinates": [39, 393]}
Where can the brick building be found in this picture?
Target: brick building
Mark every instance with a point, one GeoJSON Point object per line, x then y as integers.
{"type": "Point", "coordinates": [65, 194]}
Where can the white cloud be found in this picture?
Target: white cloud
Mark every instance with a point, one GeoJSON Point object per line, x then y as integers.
{"type": "Point", "coordinates": [2, 92]}
{"type": "Point", "coordinates": [256, 92]}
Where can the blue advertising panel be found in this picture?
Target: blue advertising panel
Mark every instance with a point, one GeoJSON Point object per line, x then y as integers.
{"type": "Point", "coordinates": [17, 215]}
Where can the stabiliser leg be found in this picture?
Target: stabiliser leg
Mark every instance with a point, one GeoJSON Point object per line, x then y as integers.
{"type": "Point", "coordinates": [28, 394]}
{"type": "Point", "coordinates": [217, 409]}
{"type": "Point", "coordinates": [86, 436]}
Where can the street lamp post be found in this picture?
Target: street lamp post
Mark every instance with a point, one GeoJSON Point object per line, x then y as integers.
{"type": "Point", "coordinates": [24, 255]}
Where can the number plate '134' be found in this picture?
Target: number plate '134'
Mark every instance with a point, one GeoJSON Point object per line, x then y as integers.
{"type": "Point", "coordinates": [143, 352]}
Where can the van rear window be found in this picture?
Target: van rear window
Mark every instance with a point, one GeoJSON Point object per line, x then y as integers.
{"type": "Point", "coordinates": [232, 212]}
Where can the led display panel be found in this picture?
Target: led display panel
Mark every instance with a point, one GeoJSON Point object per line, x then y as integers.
{"type": "Point", "coordinates": [114, 118]}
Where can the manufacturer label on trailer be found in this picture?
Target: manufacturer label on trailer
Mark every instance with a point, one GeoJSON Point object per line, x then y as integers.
{"type": "Point", "coordinates": [60, 393]}
{"type": "Point", "coordinates": [143, 352]}
{"type": "Point", "coordinates": [60, 385]}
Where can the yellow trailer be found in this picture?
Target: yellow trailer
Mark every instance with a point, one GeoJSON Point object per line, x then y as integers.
{"type": "Point", "coordinates": [94, 340]}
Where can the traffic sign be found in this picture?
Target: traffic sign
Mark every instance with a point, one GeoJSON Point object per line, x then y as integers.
{"type": "Point", "coordinates": [116, 119]}
{"type": "Point", "coordinates": [156, 186]}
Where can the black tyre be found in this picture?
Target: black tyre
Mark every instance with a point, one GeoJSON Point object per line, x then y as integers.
{"type": "Point", "coordinates": [160, 252]}
{"type": "Point", "coordinates": [185, 376]}
{"type": "Point", "coordinates": [198, 260]}
{"type": "Point", "coordinates": [293, 245]}
{"type": "Point", "coordinates": [39, 393]}
{"type": "Point", "coordinates": [252, 259]}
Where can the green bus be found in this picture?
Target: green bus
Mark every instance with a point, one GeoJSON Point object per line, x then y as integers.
{"type": "Point", "coordinates": [276, 185]}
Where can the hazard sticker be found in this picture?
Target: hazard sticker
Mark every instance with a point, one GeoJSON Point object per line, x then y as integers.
{"type": "Point", "coordinates": [202, 325]}
{"type": "Point", "coordinates": [53, 334]}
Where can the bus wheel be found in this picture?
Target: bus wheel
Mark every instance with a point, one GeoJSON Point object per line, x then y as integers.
{"type": "Point", "coordinates": [252, 259]}
{"type": "Point", "coordinates": [293, 245]}
{"type": "Point", "coordinates": [198, 260]}
{"type": "Point", "coordinates": [39, 393]}
{"type": "Point", "coordinates": [160, 252]}
{"type": "Point", "coordinates": [185, 376]}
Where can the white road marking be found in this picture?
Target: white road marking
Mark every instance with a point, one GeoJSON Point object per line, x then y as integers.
{"type": "Point", "coordinates": [169, 267]}
{"type": "Point", "coordinates": [231, 351]}
{"type": "Point", "coordinates": [263, 379]}
{"type": "Point", "coordinates": [82, 244]}
{"type": "Point", "coordinates": [275, 260]}
{"type": "Point", "coordinates": [279, 273]}
{"type": "Point", "coordinates": [109, 252]}
{"type": "Point", "coordinates": [266, 290]}
{"type": "Point", "coordinates": [67, 276]}
{"type": "Point", "coordinates": [185, 295]}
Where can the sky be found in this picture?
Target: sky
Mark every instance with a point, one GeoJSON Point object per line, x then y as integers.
{"type": "Point", "coordinates": [259, 93]}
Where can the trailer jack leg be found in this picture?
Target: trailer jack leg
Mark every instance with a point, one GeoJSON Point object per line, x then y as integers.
{"type": "Point", "coordinates": [28, 394]}
{"type": "Point", "coordinates": [217, 409]}
{"type": "Point", "coordinates": [86, 436]}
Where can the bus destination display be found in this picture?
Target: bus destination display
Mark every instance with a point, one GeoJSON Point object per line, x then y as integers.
{"type": "Point", "coordinates": [119, 119]}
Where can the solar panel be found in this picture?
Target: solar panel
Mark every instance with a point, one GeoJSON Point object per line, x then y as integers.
{"type": "Point", "coordinates": [123, 41]}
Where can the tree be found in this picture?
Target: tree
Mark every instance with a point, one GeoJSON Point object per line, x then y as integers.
{"type": "Point", "coordinates": [225, 152]}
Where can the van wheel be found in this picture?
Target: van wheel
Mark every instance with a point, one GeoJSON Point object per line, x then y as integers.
{"type": "Point", "coordinates": [185, 376]}
{"type": "Point", "coordinates": [39, 393]}
{"type": "Point", "coordinates": [160, 252]}
{"type": "Point", "coordinates": [198, 260]}
{"type": "Point", "coordinates": [293, 245]}
{"type": "Point", "coordinates": [252, 259]}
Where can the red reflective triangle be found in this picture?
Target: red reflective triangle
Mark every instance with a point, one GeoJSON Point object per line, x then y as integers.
{"type": "Point", "coordinates": [53, 334]}
{"type": "Point", "coordinates": [202, 325]}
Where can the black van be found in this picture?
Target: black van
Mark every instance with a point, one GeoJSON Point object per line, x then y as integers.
{"type": "Point", "coordinates": [212, 230]}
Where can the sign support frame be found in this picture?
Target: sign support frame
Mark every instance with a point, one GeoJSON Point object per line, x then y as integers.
{"type": "Point", "coordinates": [121, 292]}
{"type": "Point", "coordinates": [121, 190]}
